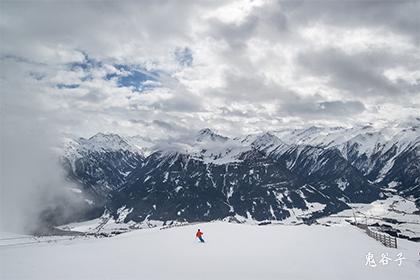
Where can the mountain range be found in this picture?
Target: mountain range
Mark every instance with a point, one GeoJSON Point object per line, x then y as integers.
{"type": "Point", "coordinates": [287, 174]}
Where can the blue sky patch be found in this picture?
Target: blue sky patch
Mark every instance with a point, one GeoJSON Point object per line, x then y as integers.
{"type": "Point", "coordinates": [131, 76]}
{"type": "Point", "coordinates": [136, 78]}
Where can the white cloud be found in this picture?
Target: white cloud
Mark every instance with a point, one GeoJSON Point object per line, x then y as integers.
{"type": "Point", "coordinates": [255, 64]}
{"type": "Point", "coordinates": [356, 40]}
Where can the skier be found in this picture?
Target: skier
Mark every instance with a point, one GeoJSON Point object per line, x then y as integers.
{"type": "Point", "coordinates": [199, 235]}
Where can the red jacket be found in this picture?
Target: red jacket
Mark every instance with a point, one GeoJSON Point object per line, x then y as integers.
{"type": "Point", "coordinates": [198, 234]}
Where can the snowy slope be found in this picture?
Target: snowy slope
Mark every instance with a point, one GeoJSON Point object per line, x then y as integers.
{"type": "Point", "coordinates": [207, 146]}
{"type": "Point", "coordinates": [394, 215]}
{"type": "Point", "coordinates": [368, 139]}
{"type": "Point", "coordinates": [215, 148]}
{"type": "Point", "coordinates": [232, 251]}
{"type": "Point", "coordinates": [146, 146]}
{"type": "Point", "coordinates": [100, 142]}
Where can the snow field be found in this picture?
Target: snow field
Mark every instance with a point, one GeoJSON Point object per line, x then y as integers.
{"type": "Point", "coordinates": [231, 251]}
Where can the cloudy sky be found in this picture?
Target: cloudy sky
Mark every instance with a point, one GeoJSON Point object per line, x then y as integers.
{"type": "Point", "coordinates": [159, 68]}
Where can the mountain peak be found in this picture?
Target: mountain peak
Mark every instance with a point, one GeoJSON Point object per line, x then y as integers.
{"type": "Point", "coordinates": [104, 136]}
{"type": "Point", "coordinates": [205, 131]}
{"type": "Point", "coordinates": [208, 134]}
{"type": "Point", "coordinates": [268, 135]}
{"type": "Point", "coordinates": [111, 141]}
{"type": "Point", "coordinates": [266, 139]}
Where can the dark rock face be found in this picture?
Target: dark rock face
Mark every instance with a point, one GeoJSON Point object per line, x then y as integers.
{"type": "Point", "coordinates": [105, 171]}
{"type": "Point", "coordinates": [180, 187]}
{"type": "Point", "coordinates": [259, 186]}
{"type": "Point", "coordinates": [394, 164]}
{"type": "Point", "coordinates": [406, 172]}
{"type": "Point", "coordinates": [327, 170]}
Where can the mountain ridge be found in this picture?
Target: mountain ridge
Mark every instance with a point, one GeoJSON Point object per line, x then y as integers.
{"type": "Point", "coordinates": [261, 176]}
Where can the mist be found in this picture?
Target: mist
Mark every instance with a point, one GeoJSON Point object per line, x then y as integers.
{"type": "Point", "coordinates": [34, 190]}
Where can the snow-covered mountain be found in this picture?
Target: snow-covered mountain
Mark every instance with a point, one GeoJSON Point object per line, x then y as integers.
{"type": "Point", "coordinates": [389, 156]}
{"type": "Point", "coordinates": [102, 162]}
{"type": "Point", "coordinates": [300, 173]}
